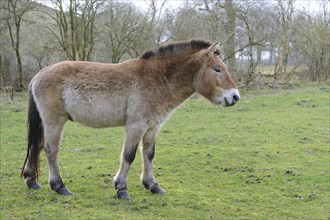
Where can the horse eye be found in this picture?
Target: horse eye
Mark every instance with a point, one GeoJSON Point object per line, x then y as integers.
{"type": "Point", "coordinates": [217, 70]}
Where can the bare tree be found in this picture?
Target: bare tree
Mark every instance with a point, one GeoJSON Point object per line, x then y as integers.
{"type": "Point", "coordinates": [14, 11]}
{"type": "Point", "coordinates": [76, 27]}
{"type": "Point", "coordinates": [311, 42]}
{"type": "Point", "coordinates": [126, 31]}
{"type": "Point", "coordinates": [285, 11]}
{"type": "Point", "coordinates": [182, 25]}
{"type": "Point", "coordinates": [43, 51]}
{"type": "Point", "coordinates": [154, 14]}
{"type": "Point", "coordinates": [220, 24]}
{"type": "Point", "coordinates": [121, 25]}
{"type": "Point", "coordinates": [253, 36]}
{"type": "Point", "coordinates": [213, 19]}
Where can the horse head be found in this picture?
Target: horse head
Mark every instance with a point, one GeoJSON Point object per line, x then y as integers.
{"type": "Point", "coordinates": [213, 80]}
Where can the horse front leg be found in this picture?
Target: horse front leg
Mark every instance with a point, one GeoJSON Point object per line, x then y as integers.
{"type": "Point", "coordinates": [148, 153]}
{"type": "Point", "coordinates": [134, 134]}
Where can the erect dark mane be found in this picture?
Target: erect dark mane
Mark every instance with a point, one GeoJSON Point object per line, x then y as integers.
{"type": "Point", "coordinates": [175, 48]}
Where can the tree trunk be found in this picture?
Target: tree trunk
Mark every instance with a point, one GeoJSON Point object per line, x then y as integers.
{"type": "Point", "coordinates": [229, 47]}
{"type": "Point", "coordinates": [18, 57]}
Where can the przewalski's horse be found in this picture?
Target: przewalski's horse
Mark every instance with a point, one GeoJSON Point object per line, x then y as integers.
{"type": "Point", "coordinates": [140, 94]}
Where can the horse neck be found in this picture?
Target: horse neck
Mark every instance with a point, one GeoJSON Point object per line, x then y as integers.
{"type": "Point", "coordinates": [179, 72]}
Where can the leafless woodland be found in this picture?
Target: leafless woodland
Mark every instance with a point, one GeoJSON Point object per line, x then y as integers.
{"type": "Point", "coordinates": [274, 39]}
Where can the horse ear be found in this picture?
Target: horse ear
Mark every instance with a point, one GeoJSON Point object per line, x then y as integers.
{"type": "Point", "coordinates": [213, 49]}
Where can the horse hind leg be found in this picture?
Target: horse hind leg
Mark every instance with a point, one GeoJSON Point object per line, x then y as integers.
{"type": "Point", "coordinates": [53, 134]}
{"type": "Point", "coordinates": [30, 171]}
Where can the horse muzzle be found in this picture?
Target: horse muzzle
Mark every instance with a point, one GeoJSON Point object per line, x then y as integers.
{"type": "Point", "coordinates": [230, 97]}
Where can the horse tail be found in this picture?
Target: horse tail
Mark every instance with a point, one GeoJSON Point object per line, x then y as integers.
{"type": "Point", "coordinates": [35, 139]}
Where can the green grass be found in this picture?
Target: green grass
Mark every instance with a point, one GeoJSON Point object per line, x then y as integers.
{"type": "Point", "coordinates": [266, 158]}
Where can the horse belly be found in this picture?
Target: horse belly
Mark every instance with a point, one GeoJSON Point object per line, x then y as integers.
{"type": "Point", "coordinates": [96, 110]}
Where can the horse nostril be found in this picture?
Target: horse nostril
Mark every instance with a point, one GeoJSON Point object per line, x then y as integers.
{"type": "Point", "coordinates": [236, 98]}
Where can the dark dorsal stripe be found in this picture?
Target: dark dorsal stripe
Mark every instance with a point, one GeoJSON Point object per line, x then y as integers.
{"type": "Point", "coordinates": [175, 48]}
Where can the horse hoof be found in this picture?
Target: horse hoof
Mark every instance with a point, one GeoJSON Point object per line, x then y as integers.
{"type": "Point", "coordinates": [33, 184]}
{"type": "Point", "coordinates": [156, 189]}
{"type": "Point", "coordinates": [123, 195]}
{"type": "Point", "coordinates": [64, 191]}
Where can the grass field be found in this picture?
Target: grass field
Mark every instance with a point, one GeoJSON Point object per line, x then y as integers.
{"type": "Point", "coordinates": [266, 158]}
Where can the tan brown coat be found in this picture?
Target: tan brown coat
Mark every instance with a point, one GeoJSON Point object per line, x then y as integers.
{"type": "Point", "coordinates": [140, 94]}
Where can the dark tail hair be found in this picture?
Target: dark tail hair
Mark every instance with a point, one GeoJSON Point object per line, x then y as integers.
{"type": "Point", "coordinates": [35, 138]}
